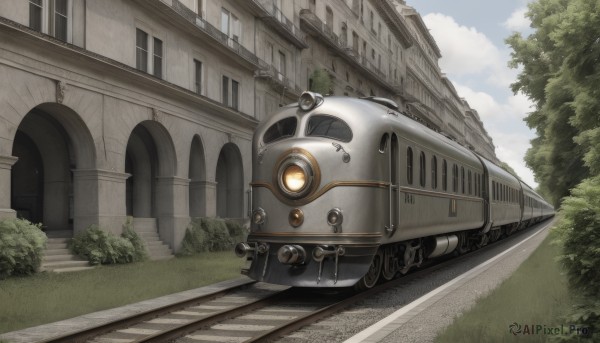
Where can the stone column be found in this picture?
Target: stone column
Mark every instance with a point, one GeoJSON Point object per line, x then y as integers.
{"type": "Point", "coordinates": [172, 207]}
{"type": "Point", "coordinates": [201, 193]}
{"type": "Point", "coordinates": [6, 163]}
{"type": "Point", "coordinates": [99, 198]}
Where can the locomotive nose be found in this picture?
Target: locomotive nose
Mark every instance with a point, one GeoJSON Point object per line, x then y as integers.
{"type": "Point", "coordinates": [291, 254]}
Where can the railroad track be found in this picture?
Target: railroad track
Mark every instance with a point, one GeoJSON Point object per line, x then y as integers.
{"type": "Point", "coordinates": [253, 312]}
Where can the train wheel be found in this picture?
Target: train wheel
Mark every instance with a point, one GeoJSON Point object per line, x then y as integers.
{"type": "Point", "coordinates": [370, 279]}
{"type": "Point", "coordinates": [463, 243]}
{"type": "Point", "coordinates": [390, 266]}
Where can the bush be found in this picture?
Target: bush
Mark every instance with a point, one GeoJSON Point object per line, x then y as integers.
{"type": "Point", "coordinates": [21, 247]}
{"type": "Point", "coordinates": [237, 231]}
{"type": "Point", "coordinates": [211, 234]}
{"type": "Point", "coordinates": [579, 231]}
{"type": "Point", "coordinates": [101, 247]}
{"type": "Point", "coordinates": [139, 248]}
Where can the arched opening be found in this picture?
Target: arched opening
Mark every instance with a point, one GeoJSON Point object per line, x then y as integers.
{"type": "Point", "coordinates": [230, 179]}
{"type": "Point", "coordinates": [197, 176]}
{"type": "Point", "coordinates": [50, 142]}
{"type": "Point", "coordinates": [149, 155]}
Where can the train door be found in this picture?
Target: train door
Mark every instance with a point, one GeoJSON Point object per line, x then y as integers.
{"type": "Point", "coordinates": [394, 195]}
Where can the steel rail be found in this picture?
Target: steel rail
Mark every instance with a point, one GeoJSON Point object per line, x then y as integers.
{"type": "Point", "coordinates": [88, 333]}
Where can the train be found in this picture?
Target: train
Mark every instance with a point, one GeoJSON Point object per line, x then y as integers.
{"type": "Point", "coordinates": [353, 191]}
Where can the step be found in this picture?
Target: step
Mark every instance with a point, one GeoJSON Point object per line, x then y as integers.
{"type": "Point", "coordinates": [148, 235]}
{"type": "Point", "coordinates": [60, 234]}
{"type": "Point", "coordinates": [66, 257]}
{"type": "Point", "coordinates": [153, 243]}
{"type": "Point", "coordinates": [55, 246]}
{"type": "Point", "coordinates": [159, 249]}
{"type": "Point", "coordinates": [58, 240]}
{"type": "Point", "coordinates": [145, 225]}
{"type": "Point", "coordinates": [49, 252]}
{"type": "Point", "coordinates": [72, 269]}
{"type": "Point", "coordinates": [64, 264]}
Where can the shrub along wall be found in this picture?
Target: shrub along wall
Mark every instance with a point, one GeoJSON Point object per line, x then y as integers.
{"type": "Point", "coordinates": [21, 247]}
{"type": "Point", "coordinates": [211, 234]}
{"type": "Point", "coordinates": [102, 247]}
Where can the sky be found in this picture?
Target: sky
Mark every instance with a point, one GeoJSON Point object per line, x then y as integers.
{"type": "Point", "coordinates": [470, 35]}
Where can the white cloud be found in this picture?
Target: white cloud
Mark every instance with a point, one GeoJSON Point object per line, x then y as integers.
{"type": "Point", "coordinates": [464, 50]}
{"type": "Point", "coordinates": [504, 123]}
{"type": "Point", "coordinates": [471, 56]}
{"type": "Point", "coordinates": [518, 21]}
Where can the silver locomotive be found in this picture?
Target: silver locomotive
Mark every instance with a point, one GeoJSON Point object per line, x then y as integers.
{"type": "Point", "coordinates": [349, 191]}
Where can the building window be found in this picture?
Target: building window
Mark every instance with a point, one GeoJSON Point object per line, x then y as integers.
{"type": "Point", "coordinates": [230, 25]}
{"type": "Point", "coordinates": [51, 17]}
{"type": "Point", "coordinates": [141, 50]}
{"type": "Point", "coordinates": [409, 165]}
{"type": "Point", "coordinates": [329, 17]}
{"type": "Point", "coordinates": [422, 170]}
{"type": "Point", "coordinates": [235, 95]}
{"type": "Point", "coordinates": [60, 19]}
{"type": "Point", "coordinates": [197, 77]}
{"type": "Point", "coordinates": [35, 14]}
{"type": "Point", "coordinates": [200, 8]}
{"type": "Point", "coordinates": [158, 57]}
{"type": "Point", "coordinates": [225, 91]}
{"type": "Point", "coordinates": [234, 100]}
{"type": "Point", "coordinates": [282, 66]}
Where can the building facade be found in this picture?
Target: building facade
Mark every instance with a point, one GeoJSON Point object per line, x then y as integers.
{"type": "Point", "coordinates": [146, 108]}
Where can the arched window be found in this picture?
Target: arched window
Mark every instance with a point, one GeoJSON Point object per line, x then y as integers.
{"type": "Point", "coordinates": [444, 175]}
{"type": "Point", "coordinates": [434, 172]}
{"type": "Point", "coordinates": [422, 170]}
{"type": "Point", "coordinates": [409, 165]}
{"type": "Point", "coordinates": [455, 178]}
{"type": "Point", "coordinates": [469, 182]}
{"type": "Point", "coordinates": [462, 179]}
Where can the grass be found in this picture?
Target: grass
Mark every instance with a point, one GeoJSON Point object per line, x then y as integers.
{"type": "Point", "coordinates": [49, 297]}
{"type": "Point", "coordinates": [537, 293]}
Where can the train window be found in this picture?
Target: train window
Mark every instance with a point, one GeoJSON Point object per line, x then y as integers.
{"type": "Point", "coordinates": [444, 175]}
{"type": "Point", "coordinates": [383, 142]}
{"type": "Point", "coordinates": [469, 182]}
{"type": "Point", "coordinates": [434, 172]}
{"type": "Point", "coordinates": [409, 165]}
{"type": "Point", "coordinates": [462, 179]}
{"type": "Point", "coordinates": [329, 127]}
{"type": "Point", "coordinates": [493, 190]}
{"type": "Point", "coordinates": [422, 170]}
{"type": "Point", "coordinates": [282, 129]}
{"type": "Point", "coordinates": [455, 178]}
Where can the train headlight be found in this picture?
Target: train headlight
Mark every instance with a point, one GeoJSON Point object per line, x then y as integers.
{"type": "Point", "coordinates": [295, 176]}
{"type": "Point", "coordinates": [309, 100]}
{"type": "Point", "coordinates": [335, 217]}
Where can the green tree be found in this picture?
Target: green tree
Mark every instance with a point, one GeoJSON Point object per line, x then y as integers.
{"type": "Point", "coordinates": [321, 82]}
{"type": "Point", "coordinates": [560, 74]}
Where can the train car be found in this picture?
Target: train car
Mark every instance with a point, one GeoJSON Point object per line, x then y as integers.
{"type": "Point", "coordinates": [505, 210]}
{"type": "Point", "coordinates": [348, 191]}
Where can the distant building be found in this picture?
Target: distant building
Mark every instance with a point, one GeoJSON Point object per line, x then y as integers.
{"type": "Point", "coordinates": [146, 108]}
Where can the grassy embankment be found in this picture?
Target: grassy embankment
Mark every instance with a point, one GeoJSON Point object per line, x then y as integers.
{"type": "Point", "coordinates": [49, 297]}
{"type": "Point", "coordinates": [537, 293]}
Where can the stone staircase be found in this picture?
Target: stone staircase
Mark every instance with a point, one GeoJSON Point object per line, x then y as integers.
{"type": "Point", "coordinates": [147, 229]}
{"type": "Point", "coordinates": [58, 258]}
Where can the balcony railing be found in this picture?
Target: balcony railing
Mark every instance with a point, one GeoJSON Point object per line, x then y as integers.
{"type": "Point", "coordinates": [316, 25]}
{"type": "Point", "coordinates": [268, 71]}
{"type": "Point", "coordinates": [215, 33]}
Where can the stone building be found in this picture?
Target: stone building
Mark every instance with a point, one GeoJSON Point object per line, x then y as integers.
{"type": "Point", "coordinates": [146, 108]}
